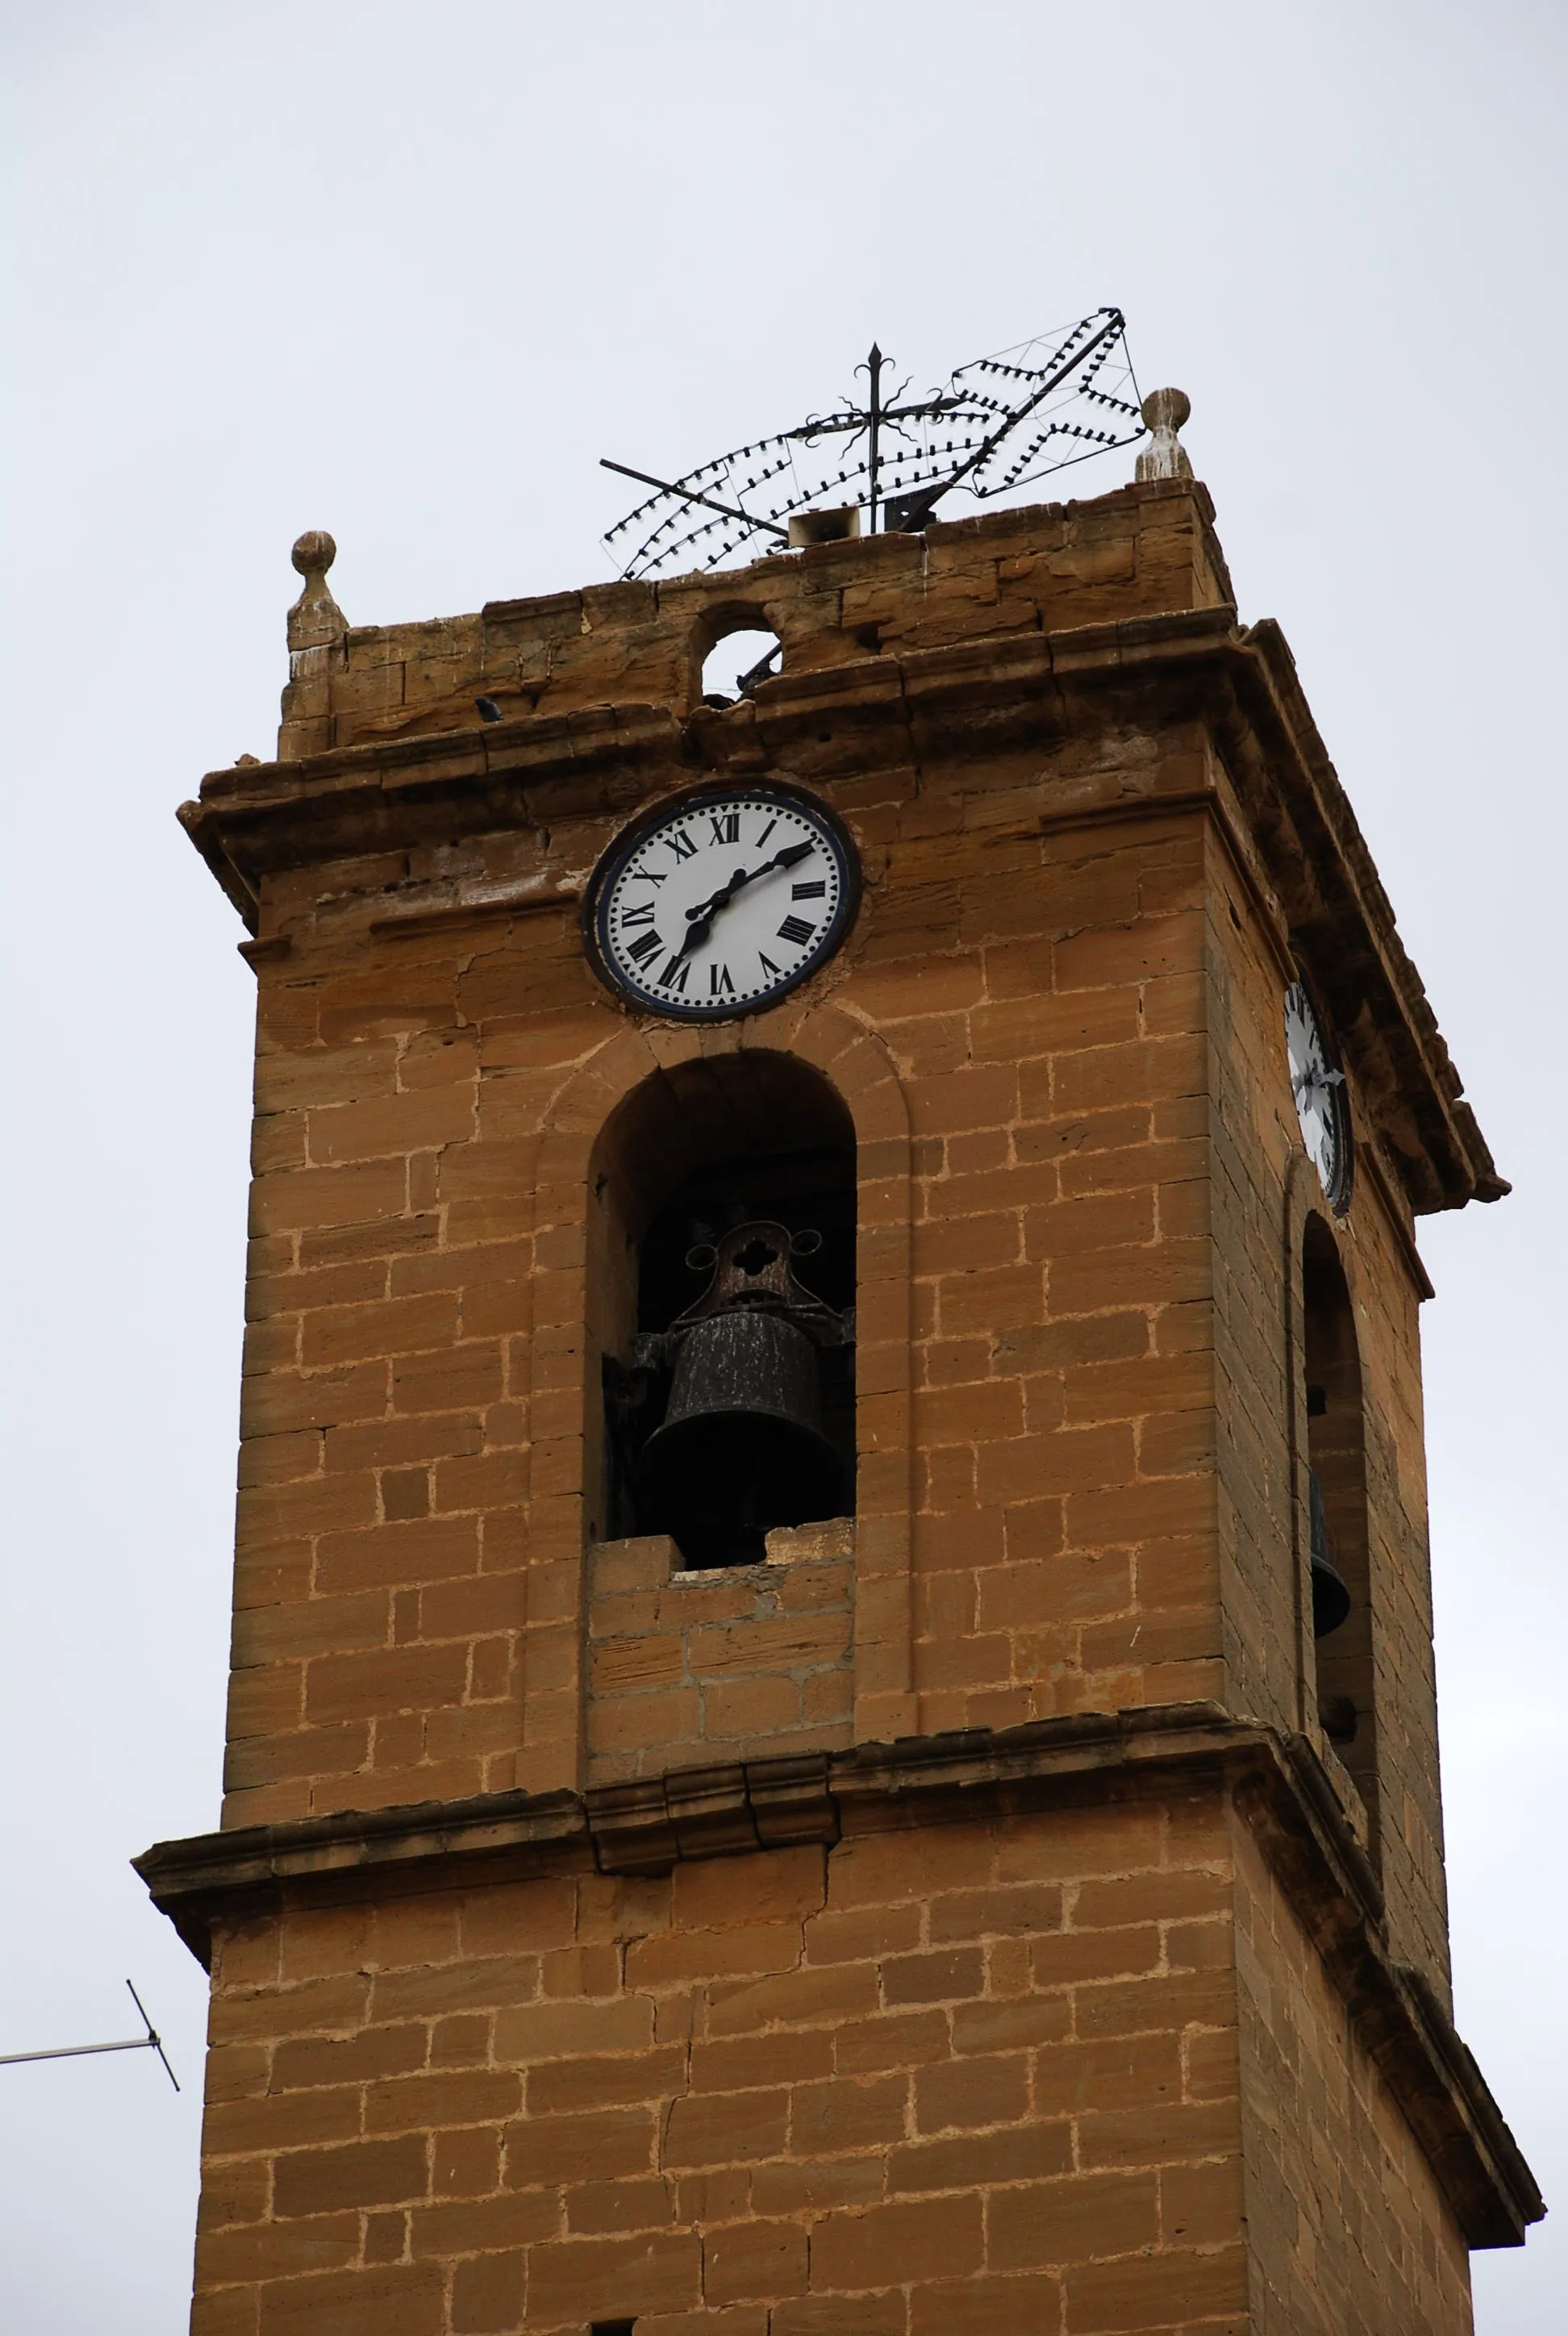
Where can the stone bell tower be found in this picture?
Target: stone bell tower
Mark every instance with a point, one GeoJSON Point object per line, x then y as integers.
{"type": "Point", "coordinates": [832, 1724]}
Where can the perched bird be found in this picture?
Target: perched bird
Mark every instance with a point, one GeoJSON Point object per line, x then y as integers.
{"type": "Point", "coordinates": [488, 711]}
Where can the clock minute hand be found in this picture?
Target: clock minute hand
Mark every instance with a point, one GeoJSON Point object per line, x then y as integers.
{"type": "Point", "coordinates": [1314, 1080]}
{"type": "Point", "coordinates": [792, 854]}
{"type": "Point", "coordinates": [701, 917]}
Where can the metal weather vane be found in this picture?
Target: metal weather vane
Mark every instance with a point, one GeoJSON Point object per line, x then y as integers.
{"type": "Point", "coordinates": [998, 422]}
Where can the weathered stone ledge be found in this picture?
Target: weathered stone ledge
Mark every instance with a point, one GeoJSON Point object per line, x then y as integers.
{"type": "Point", "coordinates": [649, 1825]}
{"type": "Point", "coordinates": [825, 725]}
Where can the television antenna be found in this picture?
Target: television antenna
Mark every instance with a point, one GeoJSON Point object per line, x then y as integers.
{"type": "Point", "coordinates": [150, 2042]}
{"type": "Point", "coordinates": [998, 422]}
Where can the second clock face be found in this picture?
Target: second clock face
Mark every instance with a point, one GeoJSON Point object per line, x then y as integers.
{"type": "Point", "coordinates": [1318, 1085]}
{"type": "Point", "coordinates": [720, 903]}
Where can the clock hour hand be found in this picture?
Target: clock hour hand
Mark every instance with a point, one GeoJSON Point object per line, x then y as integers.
{"type": "Point", "coordinates": [1315, 1081]}
{"type": "Point", "coordinates": [700, 918]}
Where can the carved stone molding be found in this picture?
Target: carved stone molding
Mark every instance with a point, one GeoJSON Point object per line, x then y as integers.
{"type": "Point", "coordinates": [1276, 1783]}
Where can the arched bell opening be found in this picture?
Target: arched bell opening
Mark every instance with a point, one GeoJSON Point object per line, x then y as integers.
{"type": "Point", "coordinates": [726, 1280]}
{"type": "Point", "coordinates": [1337, 1490]}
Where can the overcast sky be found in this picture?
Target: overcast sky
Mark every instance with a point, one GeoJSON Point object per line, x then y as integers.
{"type": "Point", "coordinates": [406, 272]}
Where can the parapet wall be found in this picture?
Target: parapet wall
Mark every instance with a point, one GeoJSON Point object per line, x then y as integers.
{"type": "Point", "coordinates": [1134, 553]}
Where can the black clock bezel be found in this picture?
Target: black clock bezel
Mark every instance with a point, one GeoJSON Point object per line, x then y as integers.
{"type": "Point", "coordinates": [1337, 1200]}
{"type": "Point", "coordinates": [596, 897]}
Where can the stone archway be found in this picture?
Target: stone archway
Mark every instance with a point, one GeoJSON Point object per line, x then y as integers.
{"type": "Point", "coordinates": [564, 1393]}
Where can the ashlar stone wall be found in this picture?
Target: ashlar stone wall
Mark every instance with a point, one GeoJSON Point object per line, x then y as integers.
{"type": "Point", "coordinates": [970, 2076]}
{"type": "Point", "coordinates": [1085, 2068]}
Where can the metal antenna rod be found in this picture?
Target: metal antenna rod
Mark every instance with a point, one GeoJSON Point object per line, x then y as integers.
{"type": "Point", "coordinates": [150, 2042]}
{"type": "Point", "coordinates": [874, 367]}
{"type": "Point", "coordinates": [686, 496]}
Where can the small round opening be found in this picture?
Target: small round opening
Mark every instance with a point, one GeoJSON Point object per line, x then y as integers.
{"type": "Point", "coordinates": [733, 666]}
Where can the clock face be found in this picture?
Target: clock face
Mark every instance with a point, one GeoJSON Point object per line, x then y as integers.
{"type": "Point", "coordinates": [1318, 1085]}
{"type": "Point", "coordinates": [717, 905]}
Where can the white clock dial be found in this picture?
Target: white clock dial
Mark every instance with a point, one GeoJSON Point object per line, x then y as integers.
{"type": "Point", "coordinates": [1318, 1085]}
{"type": "Point", "coordinates": [719, 904]}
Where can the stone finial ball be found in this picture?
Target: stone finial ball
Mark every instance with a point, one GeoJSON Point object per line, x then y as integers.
{"type": "Point", "coordinates": [1166, 409]}
{"type": "Point", "coordinates": [315, 553]}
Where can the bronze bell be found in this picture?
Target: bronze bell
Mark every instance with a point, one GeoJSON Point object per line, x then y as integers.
{"type": "Point", "coordinates": [741, 1448]}
{"type": "Point", "coordinates": [1330, 1592]}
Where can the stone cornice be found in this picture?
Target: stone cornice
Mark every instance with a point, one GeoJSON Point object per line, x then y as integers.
{"type": "Point", "coordinates": [1296, 829]}
{"type": "Point", "coordinates": [1341, 918]}
{"type": "Point", "coordinates": [1276, 1783]}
